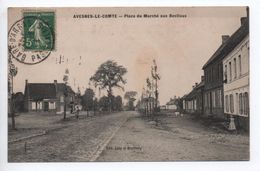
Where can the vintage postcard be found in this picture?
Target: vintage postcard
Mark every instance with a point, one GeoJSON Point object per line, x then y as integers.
{"type": "Point", "coordinates": [128, 84]}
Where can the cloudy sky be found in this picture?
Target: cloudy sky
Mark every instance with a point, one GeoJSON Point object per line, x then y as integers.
{"type": "Point", "coordinates": [180, 46]}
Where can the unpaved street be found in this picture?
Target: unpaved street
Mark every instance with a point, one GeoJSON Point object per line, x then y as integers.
{"type": "Point", "coordinates": [74, 140]}
{"type": "Point", "coordinates": [126, 136]}
{"type": "Point", "coordinates": [174, 139]}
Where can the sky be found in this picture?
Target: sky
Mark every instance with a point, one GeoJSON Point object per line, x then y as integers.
{"type": "Point", "coordinates": [180, 46]}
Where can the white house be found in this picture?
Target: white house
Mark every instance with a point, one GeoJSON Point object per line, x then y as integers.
{"type": "Point", "coordinates": [236, 78]}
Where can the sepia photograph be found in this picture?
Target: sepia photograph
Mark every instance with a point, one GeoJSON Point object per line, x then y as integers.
{"type": "Point", "coordinates": [128, 84]}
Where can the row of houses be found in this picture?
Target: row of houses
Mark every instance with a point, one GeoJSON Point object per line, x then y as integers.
{"type": "Point", "coordinates": [223, 91]}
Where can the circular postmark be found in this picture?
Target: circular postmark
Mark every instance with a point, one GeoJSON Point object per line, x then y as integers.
{"type": "Point", "coordinates": [34, 48]}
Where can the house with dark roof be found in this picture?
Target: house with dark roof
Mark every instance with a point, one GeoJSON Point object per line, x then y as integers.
{"type": "Point", "coordinates": [48, 97]}
{"type": "Point", "coordinates": [213, 87]}
{"type": "Point", "coordinates": [172, 104]}
{"type": "Point", "coordinates": [193, 101]}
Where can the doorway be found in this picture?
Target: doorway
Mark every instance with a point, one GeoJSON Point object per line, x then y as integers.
{"type": "Point", "coordinates": [46, 106]}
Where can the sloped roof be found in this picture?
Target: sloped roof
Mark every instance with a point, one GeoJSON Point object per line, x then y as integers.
{"type": "Point", "coordinates": [61, 88]}
{"type": "Point", "coordinates": [172, 102]}
{"type": "Point", "coordinates": [46, 90]}
{"type": "Point", "coordinates": [194, 91]}
{"type": "Point", "coordinates": [41, 90]}
{"type": "Point", "coordinates": [230, 44]}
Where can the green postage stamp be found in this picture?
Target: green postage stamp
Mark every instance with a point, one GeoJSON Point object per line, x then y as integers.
{"type": "Point", "coordinates": [39, 30]}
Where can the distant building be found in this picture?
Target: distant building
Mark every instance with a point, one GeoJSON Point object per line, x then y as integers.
{"type": "Point", "coordinates": [236, 76]}
{"type": "Point", "coordinates": [193, 102]}
{"type": "Point", "coordinates": [172, 104]}
{"type": "Point", "coordinates": [163, 107]}
{"type": "Point", "coordinates": [47, 97]}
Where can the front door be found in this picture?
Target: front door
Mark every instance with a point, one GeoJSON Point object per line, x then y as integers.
{"type": "Point", "coordinates": [46, 106]}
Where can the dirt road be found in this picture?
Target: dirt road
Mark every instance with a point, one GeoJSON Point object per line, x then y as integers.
{"type": "Point", "coordinates": [174, 139]}
{"type": "Point", "coordinates": [73, 140]}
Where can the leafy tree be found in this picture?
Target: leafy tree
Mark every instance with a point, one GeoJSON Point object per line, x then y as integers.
{"type": "Point", "coordinates": [88, 99]}
{"type": "Point", "coordinates": [130, 97]}
{"type": "Point", "coordinates": [118, 103]}
{"type": "Point", "coordinates": [18, 100]}
{"type": "Point", "coordinates": [108, 76]}
{"type": "Point", "coordinates": [103, 103]}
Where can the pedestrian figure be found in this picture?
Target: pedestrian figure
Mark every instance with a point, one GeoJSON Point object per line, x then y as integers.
{"type": "Point", "coordinates": [77, 111]}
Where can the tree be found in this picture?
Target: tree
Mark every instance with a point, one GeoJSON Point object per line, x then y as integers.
{"type": "Point", "coordinates": [130, 97]}
{"type": "Point", "coordinates": [13, 70]}
{"type": "Point", "coordinates": [108, 76]}
{"type": "Point", "coordinates": [103, 103]}
{"type": "Point", "coordinates": [18, 100]}
{"type": "Point", "coordinates": [118, 103]}
{"type": "Point", "coordinates": [88, 99]}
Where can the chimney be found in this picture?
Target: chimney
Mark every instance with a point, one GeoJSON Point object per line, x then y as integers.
{"type": "Point", "coordinates": [56, 87]}
{"type": "Point", "coordinates": [196, 84]}
{"type": "Point", "coordinates": [225, 38]}
{"type": "Point", "coordinates": [26, 82]}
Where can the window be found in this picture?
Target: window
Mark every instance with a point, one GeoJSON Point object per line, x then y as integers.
{"type": "Point", "coordinates": [33, 105]}
{"type": "Point", "coordinates": [205, 100]}
{"type": "Point", "coordinates": [220, 71]}
{"type": "Point", "coordinates": [240, 65]}
{"type": "Point", "coordinates": [61, 98]}
{"type": "Point", "coordinates": [235, 68]}
{"type": "Point", "coordinates": [231, 103]}
{"type": "Point", "coordinates": [237, 103]}
{"type": "Point", "coordinates": [241, 111]}
{"type": "Point", "coordinates": [51, 105]}
{"type": "Point", "coordinates": [39, 105]}
{"type": "Point", "coordinates": [246, 103]}
{"type": "Point", "coordinates": [220, 98]}
{"type": "Point", "coordinates": [230, 71]}
{"type": "Point", "coordinates": [225, 73]}
{"type": "Point", "coordinates": [213, 99]}
{"type": "Point", "coordinates": [226, 101]}
{"type": "Point", "coordinates": [217, 98]}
